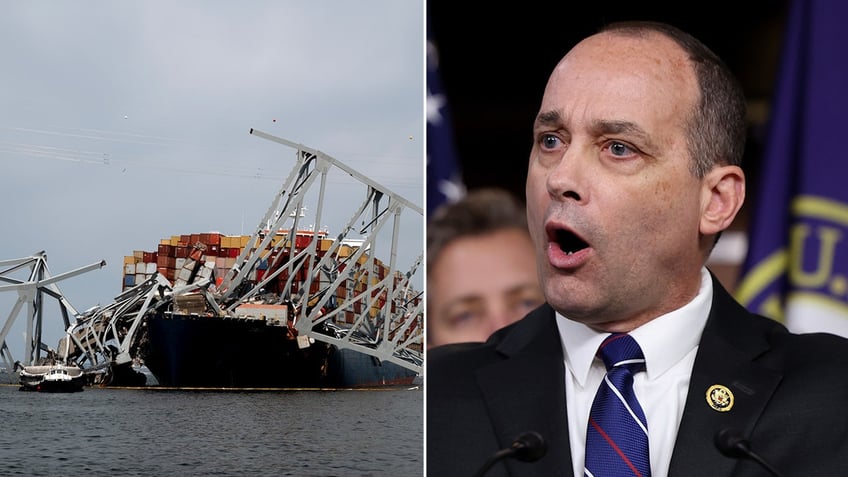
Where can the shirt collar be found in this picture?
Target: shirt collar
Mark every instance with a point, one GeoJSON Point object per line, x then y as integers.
{"type": "Point", "coordinates": [664, 340]}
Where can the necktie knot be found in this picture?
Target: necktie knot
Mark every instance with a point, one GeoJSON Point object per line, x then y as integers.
{"type": "Point", "coordinates": [621, 350]}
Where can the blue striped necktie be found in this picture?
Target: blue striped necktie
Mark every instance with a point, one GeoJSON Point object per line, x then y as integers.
{"type": "Point", "coordinates": [617, 434]}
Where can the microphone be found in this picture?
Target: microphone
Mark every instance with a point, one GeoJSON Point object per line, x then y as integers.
{"type": "Point", "coordinates": [527, 447]}
{"type": "Point", "coordinates": [732, 444]}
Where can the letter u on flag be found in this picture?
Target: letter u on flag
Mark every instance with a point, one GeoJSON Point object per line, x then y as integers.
{"type": "Point", "coordinates": [796, 270]}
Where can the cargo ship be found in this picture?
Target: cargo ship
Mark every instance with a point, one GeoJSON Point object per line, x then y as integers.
{"type": "Point", "coordinates": [191, 341]}
{"type": "Point", "coordinates": [228, 352]}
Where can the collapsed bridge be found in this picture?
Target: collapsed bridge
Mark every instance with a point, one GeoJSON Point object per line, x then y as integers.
{"type": "Point", "coordinates": [289, 305]}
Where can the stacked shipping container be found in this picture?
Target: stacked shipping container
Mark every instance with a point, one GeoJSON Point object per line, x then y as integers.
{"type": "Point", "coordinates": [219, 254]}
{"type": "Point", "coordinates": [177, 257]}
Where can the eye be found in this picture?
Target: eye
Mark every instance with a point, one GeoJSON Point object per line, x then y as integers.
{"type": "Point", "coordinates": [463, 318]}
{"type": "Point", "coordinates": [530, 304]}
{"type": "Point", "coordinates": [620, 149]}
{"type": "Point", "coordinates": [528, 300]}
{"type": "Point", "coordinates": [549, 141]}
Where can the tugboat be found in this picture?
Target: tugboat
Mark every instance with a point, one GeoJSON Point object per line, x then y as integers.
{"type": "Point", "coordinates": [52, 378]}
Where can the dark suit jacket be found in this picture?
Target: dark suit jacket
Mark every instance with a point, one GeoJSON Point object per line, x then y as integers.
{"type": "Point", "coordinates": [791, 399]}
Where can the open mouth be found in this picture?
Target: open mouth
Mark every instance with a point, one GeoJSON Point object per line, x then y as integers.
{"type": "Point", "coordinates": [568, 241]}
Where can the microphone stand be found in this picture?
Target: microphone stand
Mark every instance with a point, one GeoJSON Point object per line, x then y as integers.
{"type": "Point", "coordinates": [527, 447]}
{"type": "Point", "coordinates": [501, 454]}
{"type": "Point", "coordinates": [731, 443]}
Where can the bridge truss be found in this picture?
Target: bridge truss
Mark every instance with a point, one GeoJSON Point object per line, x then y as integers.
{"type": "Point", "coordinates": [30, 277]}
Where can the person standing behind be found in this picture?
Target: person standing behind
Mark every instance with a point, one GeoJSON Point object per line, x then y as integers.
{"type": "Point", "coordinates": [481, 267]}
{"type": "Point", "coordinates": [633, 175]}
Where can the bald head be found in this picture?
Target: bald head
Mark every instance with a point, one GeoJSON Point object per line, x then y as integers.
{"type": "Point", "coordinates": [716, 127]}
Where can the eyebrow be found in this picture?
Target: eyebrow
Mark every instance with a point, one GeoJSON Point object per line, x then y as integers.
{"type": "Point", "coordinates": [602, 127]}
{"type": "Point", "coordinates": [598, 127]}
{"type": "Point", "coordinates": [548, 118]}
{"type": "Point", "coordinates": [463, 301]}
{"type": "Point", "coordinates": [617, 127]}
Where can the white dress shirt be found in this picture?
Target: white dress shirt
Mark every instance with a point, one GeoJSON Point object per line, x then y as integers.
{"type": "Point", "coordinates": [669, 344]}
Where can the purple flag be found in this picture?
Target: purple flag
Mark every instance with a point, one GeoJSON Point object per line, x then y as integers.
{"type": "Point", "coordinates": [796, 270]}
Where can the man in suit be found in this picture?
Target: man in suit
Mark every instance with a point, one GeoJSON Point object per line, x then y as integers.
{"type": "Point", "coordinates": [633, 175]}
{"type": "Point", "coordinates": [481, 267]}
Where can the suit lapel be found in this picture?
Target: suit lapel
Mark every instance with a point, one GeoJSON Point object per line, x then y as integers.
{"type": "Point", "coordinates": [526, 392]}
{"type": "Point", "coordinates": [726, 357]}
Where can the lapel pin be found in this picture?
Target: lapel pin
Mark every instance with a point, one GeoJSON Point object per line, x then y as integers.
{"type": "Point", "coordinates": [720, 398]}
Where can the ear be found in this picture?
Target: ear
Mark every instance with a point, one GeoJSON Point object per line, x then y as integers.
{"type": "Point", "coordinates": [722, 196]}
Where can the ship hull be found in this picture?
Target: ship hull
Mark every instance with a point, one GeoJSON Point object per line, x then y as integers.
{"type": "Point", "coordinates": [227, 352]}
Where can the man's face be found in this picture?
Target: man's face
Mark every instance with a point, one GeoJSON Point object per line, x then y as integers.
{"type": "Point", "coordinates": [479, 284]}
{"type": "Point", "coordinates": [612, 205]}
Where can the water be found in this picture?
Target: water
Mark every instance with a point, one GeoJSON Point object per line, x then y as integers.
{"type": "Point", "coordinates": [123, 432]}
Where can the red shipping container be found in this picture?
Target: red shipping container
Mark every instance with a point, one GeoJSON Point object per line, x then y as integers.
{"type": "Point", "coordinates": [212, 239]}
{"type": "Point", "coordinates": [302, 241]}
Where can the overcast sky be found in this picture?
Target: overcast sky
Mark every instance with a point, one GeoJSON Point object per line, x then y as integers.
{"type": "Point", "coordinates": [123, 123]}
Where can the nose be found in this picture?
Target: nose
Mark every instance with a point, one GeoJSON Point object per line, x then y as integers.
{"type": "Point", "coordinates": [565, 178]}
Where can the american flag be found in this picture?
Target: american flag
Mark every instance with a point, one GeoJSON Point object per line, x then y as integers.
{"type": "Point", "coordinates": [444, 177]}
